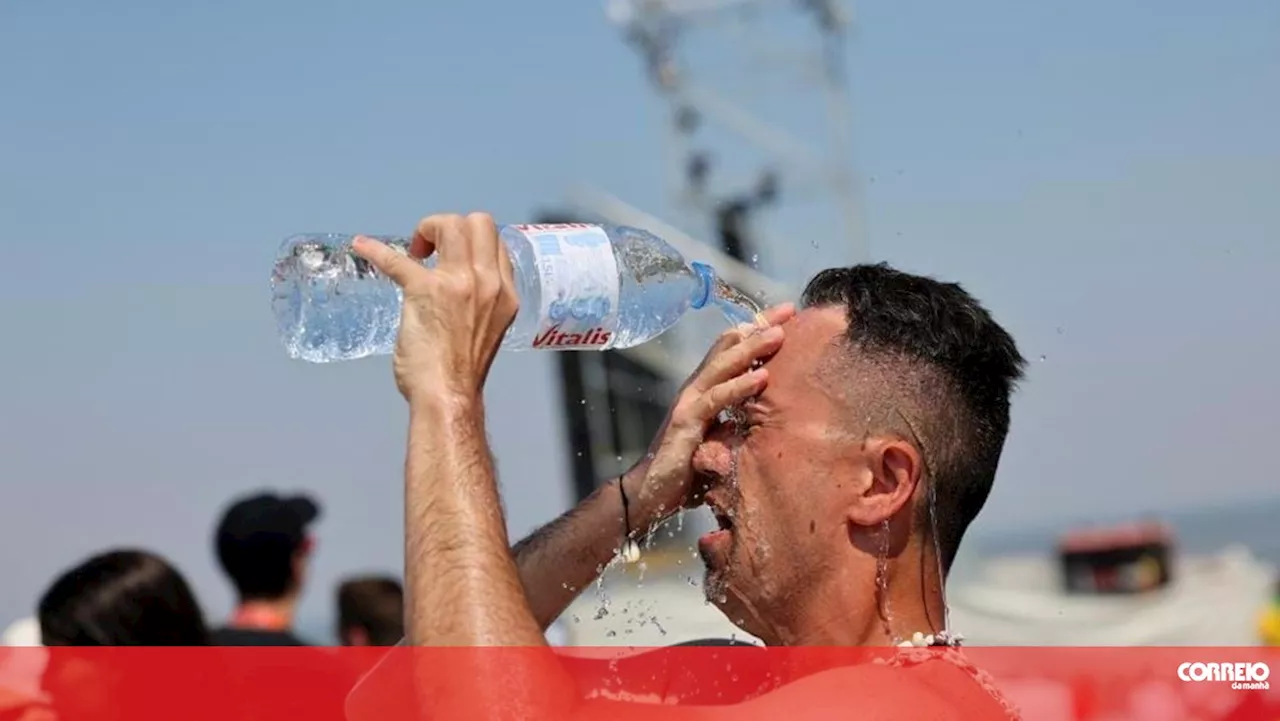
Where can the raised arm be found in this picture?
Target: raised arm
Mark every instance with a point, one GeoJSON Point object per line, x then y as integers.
{"type": "Point", "coordinates": [461, 585]}
{"type": "Point", "coordinates": [464, 589]}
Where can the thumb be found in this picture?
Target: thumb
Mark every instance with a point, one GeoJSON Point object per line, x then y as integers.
{"type": "Point", "coordinates": [397, 266]}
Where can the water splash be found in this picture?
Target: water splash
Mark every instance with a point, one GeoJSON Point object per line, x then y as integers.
{"type": "Point", "coordinates": [737, 307]}
{"type": "Point", "coordinates": [602, 596]}
{"type": "Point", "coordinates": [882, 582]}
{"type": "Point", "coordinates": [937, 554]}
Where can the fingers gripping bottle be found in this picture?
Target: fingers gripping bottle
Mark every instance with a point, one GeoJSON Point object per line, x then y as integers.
{"type": "Point", "coordinates": [581, 287]}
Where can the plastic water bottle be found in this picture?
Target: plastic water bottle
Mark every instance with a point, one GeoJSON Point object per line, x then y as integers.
{"type": "Point", "coordinates": [581, 287]}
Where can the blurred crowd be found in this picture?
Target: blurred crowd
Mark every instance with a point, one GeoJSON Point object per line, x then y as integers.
{"type": "Point", "coordinates": [264, 544]}
{"type": "Point", "coordinates": [128, 597]}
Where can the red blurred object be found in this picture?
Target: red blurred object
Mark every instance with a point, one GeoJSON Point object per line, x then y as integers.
{"type": "Point", "coordinates": [1123, 559]}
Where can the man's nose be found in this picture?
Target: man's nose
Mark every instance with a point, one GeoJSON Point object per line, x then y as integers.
{"type": "Point", "coordinates": [712, 455]}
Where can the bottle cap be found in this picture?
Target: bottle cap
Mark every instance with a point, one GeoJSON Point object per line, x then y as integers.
{"type": "Point", "coordinates": [708, 277]}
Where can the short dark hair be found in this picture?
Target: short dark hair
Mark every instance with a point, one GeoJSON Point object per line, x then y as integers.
{"type": "Point", "coordinates": [912, 321]}
{"type": "Point", "coordinates": [375, 604]}
{"type": "Point", "coordinates": [121, 598]}
{"type": "Point", "coordinates": [257, 540]}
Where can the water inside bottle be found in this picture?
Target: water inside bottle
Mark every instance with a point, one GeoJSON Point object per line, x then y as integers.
{"type": "Point", "coordinates": [737, 307]}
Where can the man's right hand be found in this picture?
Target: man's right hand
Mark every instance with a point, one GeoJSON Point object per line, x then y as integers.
{"type": "Point", "coordinates": [662, 482]}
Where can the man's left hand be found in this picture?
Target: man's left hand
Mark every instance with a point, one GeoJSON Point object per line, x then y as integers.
{"type": "Point", "coordinates": [455, 314]}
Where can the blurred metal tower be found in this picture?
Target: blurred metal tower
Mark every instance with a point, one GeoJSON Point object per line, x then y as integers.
{"type": "Point", "coordinates": [758, 121]}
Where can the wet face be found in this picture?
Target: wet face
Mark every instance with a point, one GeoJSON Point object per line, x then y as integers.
{"type": "Point", "coordinates": [775, 473]}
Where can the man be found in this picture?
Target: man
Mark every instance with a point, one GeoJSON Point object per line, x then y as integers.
{"type": "Point", "coordinates": [370, 611]}
{"type": "Point", "coordinates": [844, 448]}
{"type": "Point", "coordinates": [264, 545]}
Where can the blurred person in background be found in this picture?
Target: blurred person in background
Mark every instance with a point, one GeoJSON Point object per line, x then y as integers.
{"type": "Point", "coordinates": [121, 598]}
{"type": "Point", "coordinates": [370, 611]}
{"type": "Point", "coordinates": [264, 545]}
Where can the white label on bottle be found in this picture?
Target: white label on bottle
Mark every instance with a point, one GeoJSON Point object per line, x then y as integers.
{"type": "Point", "coordinates": [579, 286]}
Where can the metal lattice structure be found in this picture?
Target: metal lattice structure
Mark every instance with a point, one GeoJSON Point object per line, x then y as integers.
{"type": "Point", "coordinates": [757, 119]}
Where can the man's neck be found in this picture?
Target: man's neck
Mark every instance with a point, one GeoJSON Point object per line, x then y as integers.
{"type": "Point", "coordinates": [265, 615]}
{"type": "Point", "coordinates": [846, 611]}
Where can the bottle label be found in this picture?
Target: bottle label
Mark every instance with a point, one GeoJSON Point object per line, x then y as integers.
{"type": "Point", "coordinates": [579, 286]}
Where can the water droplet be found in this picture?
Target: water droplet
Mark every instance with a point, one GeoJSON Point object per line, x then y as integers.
{"type": "Point", "coordinates": [576, 619]}
{"type": "Point", "coordinates": [1043, 358]}
{"type": "Point", "coordinates": [1059, 330]}
{"type": "Point", "coordinates": [582, 402]}
{"type": "Point", "coordinates": [610, 633]}
{"type": "Point", "coordinates": [755, 260]}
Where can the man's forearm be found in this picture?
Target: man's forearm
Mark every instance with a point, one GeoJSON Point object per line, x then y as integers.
{"type": "Point", "coordinates": [560, 559]}
{"type": "Point", "coordinates": [456, 540]}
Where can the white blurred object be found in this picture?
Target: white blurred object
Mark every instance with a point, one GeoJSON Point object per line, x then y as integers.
{"type": "Point", "coordinates": [1017, 601]}
{"type": "Point", "coordinates": [23, 632]}
{"type": "Point", "coordinates": [22, 659]}
{"type": "Point", "coordinates": [557, 634]}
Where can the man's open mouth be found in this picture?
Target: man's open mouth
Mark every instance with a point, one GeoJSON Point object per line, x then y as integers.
{"type": "Point", "coordinates": [724, 518]}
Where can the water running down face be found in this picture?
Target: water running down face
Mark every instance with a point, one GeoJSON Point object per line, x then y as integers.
{"type": "Point", "coordinates": [782, 475]}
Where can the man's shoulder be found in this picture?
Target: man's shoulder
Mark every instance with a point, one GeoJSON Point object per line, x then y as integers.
{"type": "Point", "coordinates": [934, 690]}
{"type": "Point", "coordinates": [228, 636]}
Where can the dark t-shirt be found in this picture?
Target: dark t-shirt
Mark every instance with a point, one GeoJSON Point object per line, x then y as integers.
{"type": "Point", "coordinates": [254, 637]}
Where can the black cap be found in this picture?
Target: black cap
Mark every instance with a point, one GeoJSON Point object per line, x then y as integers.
{"type": "Point", "coordinates": [268, 518]}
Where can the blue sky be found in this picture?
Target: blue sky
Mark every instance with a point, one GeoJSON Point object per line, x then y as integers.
{"type": "Point", "coordinates": [1104, 176]}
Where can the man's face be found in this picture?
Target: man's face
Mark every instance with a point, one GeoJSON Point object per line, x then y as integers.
{"type": "Point", "coordinates": [775, 480]}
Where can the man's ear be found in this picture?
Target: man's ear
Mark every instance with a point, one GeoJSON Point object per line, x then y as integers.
{"type": "Point", "coordinates": [894, 467]}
